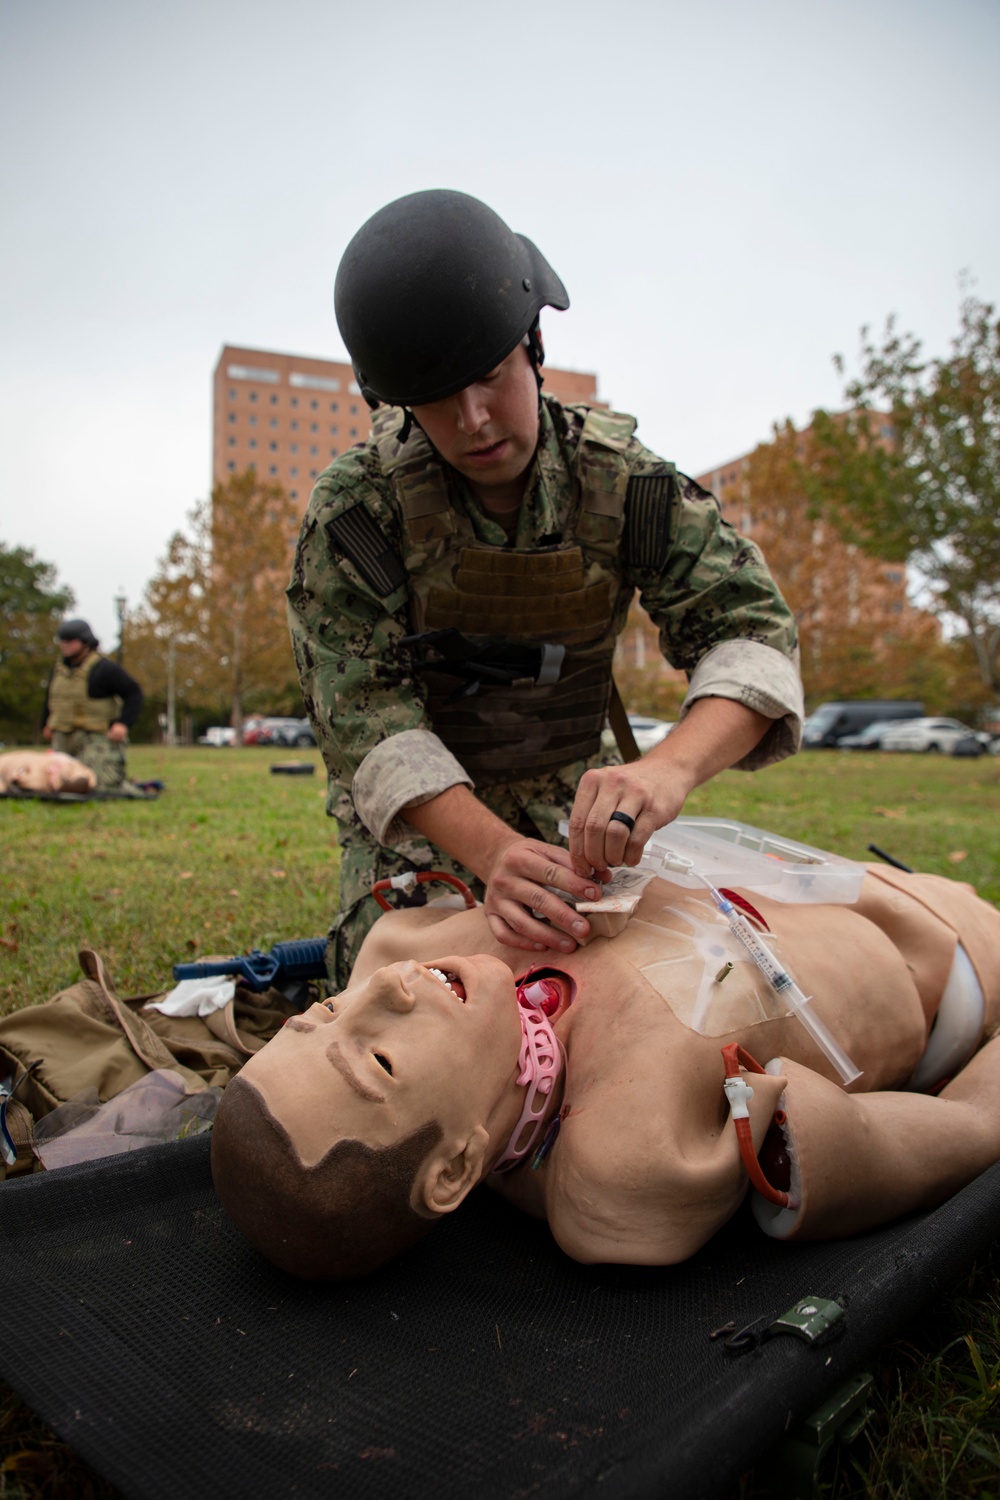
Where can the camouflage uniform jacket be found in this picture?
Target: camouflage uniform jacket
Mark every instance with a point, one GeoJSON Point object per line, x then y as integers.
{"type": "Point", "coordinates": [720, 617]}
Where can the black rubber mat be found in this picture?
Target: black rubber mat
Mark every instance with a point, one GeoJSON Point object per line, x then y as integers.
{"type": "Point", "coordinates": [177, 1362]}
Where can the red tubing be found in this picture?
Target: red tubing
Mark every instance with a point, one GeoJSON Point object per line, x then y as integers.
{"type": "Point", "coordinates": [733, 1055]}
{"type": "Point", "coordinates": [421, 878]}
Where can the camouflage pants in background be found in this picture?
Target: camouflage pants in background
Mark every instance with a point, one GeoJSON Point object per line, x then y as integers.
{"type": "Point", "coordinates": [94, 749]}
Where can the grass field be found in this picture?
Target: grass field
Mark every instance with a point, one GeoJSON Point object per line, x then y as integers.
{"type": "Point", "coordinates": [232, 857]}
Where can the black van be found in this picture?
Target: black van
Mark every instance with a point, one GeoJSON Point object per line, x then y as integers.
{"type": "Point", "coordinates": [831, 721]}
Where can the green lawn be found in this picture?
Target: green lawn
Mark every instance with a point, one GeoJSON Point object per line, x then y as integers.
{"type": "Point", "coordinates": [232, 857]}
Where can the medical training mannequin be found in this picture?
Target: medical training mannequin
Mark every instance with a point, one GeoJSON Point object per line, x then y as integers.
{"type": "Point", "coordinates": [372, 1115]}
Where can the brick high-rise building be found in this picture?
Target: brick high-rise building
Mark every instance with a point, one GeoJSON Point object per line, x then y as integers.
{"type": "Point", "coordinates": [289, 415]}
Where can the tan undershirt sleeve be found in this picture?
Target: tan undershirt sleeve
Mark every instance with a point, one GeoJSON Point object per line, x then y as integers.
{"type": "Point", "coordinates": [403, 771]}
{"type": "Point", "coordinates": [761, 678]}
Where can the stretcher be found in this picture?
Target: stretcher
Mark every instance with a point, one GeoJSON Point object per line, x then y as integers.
{"type": "Point", "coordinates": [175, 1360]}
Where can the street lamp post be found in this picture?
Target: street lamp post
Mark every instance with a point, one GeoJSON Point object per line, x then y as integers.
{"type": "Point", "coordinates": [120, 603]}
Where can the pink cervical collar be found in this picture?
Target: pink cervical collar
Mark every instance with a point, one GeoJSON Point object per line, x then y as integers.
{"type": "Point", "coordinates": [540, 1062]}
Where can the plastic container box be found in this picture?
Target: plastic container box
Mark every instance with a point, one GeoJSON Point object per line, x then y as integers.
{"type": "Point", "coordinates": [731, 853]}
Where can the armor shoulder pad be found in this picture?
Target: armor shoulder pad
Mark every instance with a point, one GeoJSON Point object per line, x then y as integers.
{"type": "Point", "coordinates": [356, 535]}
{"type": "Point", "coordinates": [648, 508]}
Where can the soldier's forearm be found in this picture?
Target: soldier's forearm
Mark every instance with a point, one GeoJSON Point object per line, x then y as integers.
{"type": "Point", "coordinates": [715, 734]}
{"type": "Point", "coordinates": [464, 828]}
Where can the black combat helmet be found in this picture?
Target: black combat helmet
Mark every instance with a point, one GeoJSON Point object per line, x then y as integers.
{"type": "Point", "coordinates": [76, 630]}
{"type": "Point", "coordinates": [433, 292]}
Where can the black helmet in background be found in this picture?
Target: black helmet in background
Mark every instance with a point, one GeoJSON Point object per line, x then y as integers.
{"type": "Point", "coordinates": [77, 630]}
{"type": "Point", "coordinates": [433, 292]}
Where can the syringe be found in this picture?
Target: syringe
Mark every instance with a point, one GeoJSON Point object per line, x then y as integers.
{"type": "Point", "coordinates": [783, 984]}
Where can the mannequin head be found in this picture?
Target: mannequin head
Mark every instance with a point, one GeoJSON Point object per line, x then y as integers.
{"type": "Point", "coordinates": [370, 1116]}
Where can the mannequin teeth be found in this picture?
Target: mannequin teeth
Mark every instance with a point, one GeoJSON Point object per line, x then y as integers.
{"type": "Point", "coordinates": [446, 981]}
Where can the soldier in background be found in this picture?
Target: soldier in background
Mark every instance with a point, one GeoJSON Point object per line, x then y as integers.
{"type": "Point", "coordinates": [91, 704]}
{"type": "Point", "coordinates": [461, 580]}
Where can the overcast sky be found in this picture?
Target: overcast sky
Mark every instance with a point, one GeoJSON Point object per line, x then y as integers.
{"type": "Point", "coordinates": [729, 191]}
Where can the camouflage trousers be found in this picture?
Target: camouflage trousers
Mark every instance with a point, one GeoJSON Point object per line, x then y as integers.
{"type": "Point", "coordinates": [532, 807]}
{"type": "Point", "coordinates": [94, 749]}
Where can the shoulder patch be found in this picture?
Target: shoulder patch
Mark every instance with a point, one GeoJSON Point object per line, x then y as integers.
{"type": "Point", "coordinates": [359, 538]}
{"type": "Point", "coordinates": [647, 519]}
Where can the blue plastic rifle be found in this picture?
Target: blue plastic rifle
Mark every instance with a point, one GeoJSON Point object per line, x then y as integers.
{"type": "Point", "coordinates": [287, 966]}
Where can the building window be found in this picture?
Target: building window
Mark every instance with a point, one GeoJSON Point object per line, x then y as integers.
{"type": "Point", "coordinates": [232, 442]}
{"type": "Point", "coordinates": [354, 432]}
{"type": "Point", "coordinates": [253, 395]}
{"type": "Point", "coordinates": [294, 448]}
{"type": "Point", "coordinates": [295, 494]}
{"type": "Point", "coordinates": [274, 421]}
{"type": "Point", "coordinates": [232, 416]}
{"type": "Point", "coordinates": [294, 473]}
{"type": "Point", "coordinates": [253, 372]}
{"type": "Point", "coordinates": [253, 442]}
{"type": "Point", "coordinates": [333, 453]}
{"type": "Point", "coordinates": [294, 401]}
{"type": "Point", "coordinates": [295, 426]}
{"type": "Point", "coordinates": [230, 465]}
{"type": "Point", "coordinates": [314, 451]}
{"type": "Point", "coordinates": [354, 409]}
{"type": "Point", "coordinates": [232, 395]}
{"type": "Point", "coordinates": [273, 469]}
{"type": "Point", "coordinates": [334, 406]}
{"type": "Point", "coordinates": [314, 382]}
{"type": "Point", "coordinates": [253, 421]}
{"type": "Point", "coordinates": [333, 429]}
{"type": "Point", "coordinates": [313, 427]}
{"type": "Point", "coordinates": [354, 388]}
{"type": "Point", "coordinates": [312, 473]}
{"type": "Point", "coordinates": [274, 400]}
{"type": "Point", "coordinates": [273, 447]}
{"type": "Point", "coordinates": [314, 405]}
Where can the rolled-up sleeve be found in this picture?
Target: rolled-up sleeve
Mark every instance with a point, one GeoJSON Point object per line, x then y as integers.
{"type": "Point", "coordinates": [404, 771]}
{"type": "Point", "coordinates": [762, 679]}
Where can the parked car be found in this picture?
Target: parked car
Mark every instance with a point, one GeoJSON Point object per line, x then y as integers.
{"type": "Point", "coordinates": [218, 735]}
{"type": "Point", "coordinates": [929, 735]}
{"type": "Point", "coordinates": [288, 732]}
{"type": "Point", "coordinates": [648, 732]}
{"type": "Point", "coordinates": [299, 732]}
{"type": "Point", "coordinates": [868, 739]}
{"type": "Point", "coordinates": [251, 729]}
{"type": "Point", "coordinates": [828, 724]}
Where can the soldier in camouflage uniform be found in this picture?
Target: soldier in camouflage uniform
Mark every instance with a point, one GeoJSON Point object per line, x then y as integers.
{"type": "Point", "coordinates": [461, 580]}
{"type": "Point", "coordinates": [90, 704]}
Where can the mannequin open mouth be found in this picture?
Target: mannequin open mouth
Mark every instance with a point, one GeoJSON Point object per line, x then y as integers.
{"type": "Point", "coordinates": [452, 981]}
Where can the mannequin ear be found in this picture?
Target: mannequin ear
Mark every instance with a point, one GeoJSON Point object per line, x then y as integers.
{"type": "Point", "coordinates": [444, 1181]}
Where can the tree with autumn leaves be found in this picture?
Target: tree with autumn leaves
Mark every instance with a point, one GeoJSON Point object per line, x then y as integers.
{"type": "Point", "coordinates": [859, 636]}
{"type": "Point", "coordinates": [212, 631]}
{"type": "Point", "coordinates": [911, 471]}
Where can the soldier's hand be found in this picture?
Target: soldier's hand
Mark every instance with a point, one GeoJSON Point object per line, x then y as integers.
{"type": "Point", "coordinates": [518, 895]}
{"type": "Point", "coordinates": [117, 733]}
{"type": "Point", "coordinates": [46, 733]}
{"type": "Point", "coordinates": [618, 808]}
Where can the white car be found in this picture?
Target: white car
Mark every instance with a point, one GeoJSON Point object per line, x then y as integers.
{"type": "Point", "coordinates": [648, 732]}
{"type": "Point", "coordinates": [941, 735]}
